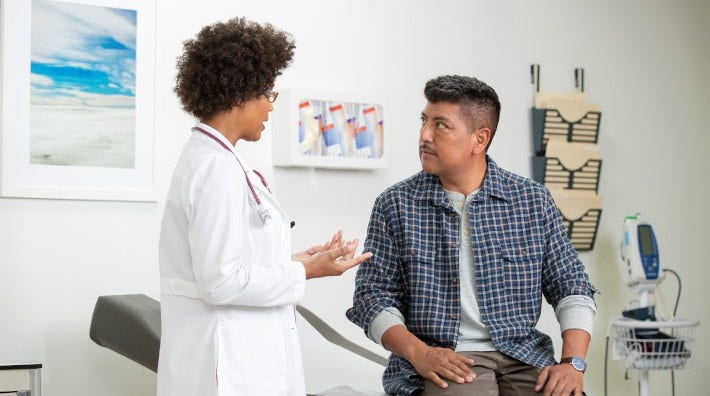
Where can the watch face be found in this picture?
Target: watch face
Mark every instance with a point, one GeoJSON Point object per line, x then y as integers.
{"type": "Point", "coordinates": [578, 364]}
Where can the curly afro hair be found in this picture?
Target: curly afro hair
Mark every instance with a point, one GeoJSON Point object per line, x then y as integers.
{"type": "Point", "coordinates": [230, 63]}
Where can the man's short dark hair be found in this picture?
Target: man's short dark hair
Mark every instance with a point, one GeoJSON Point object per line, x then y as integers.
{"type": "Point", "coordinates": [478, 102]}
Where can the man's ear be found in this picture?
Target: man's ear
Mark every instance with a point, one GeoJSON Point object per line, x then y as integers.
{"type": "Point", "coordinates": [481, 138]}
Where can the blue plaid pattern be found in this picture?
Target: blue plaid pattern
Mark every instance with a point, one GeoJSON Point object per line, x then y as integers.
{"type": "Point", "coordinates": [520, 250]}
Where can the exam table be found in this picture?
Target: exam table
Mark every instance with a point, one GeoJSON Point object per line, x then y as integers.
{"type": "Point", "coordinates": [130, 325]}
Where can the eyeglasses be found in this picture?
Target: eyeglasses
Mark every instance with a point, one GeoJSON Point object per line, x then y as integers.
{"type": "Point", "coordinates": [271, 95]}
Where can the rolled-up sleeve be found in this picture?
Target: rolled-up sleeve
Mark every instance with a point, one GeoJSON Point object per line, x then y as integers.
{"type": "Point", "coordinates": [576, 312]}
{"type": "Point", "coordinates": [385, 320]}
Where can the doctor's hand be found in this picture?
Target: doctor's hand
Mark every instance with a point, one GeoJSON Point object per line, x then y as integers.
{"type": "Point", "coordinates": [333, 259]}
{"type": "Point", "coordinates": [301, 256]}
{"type": "Point", "coordinates": [335, 241]}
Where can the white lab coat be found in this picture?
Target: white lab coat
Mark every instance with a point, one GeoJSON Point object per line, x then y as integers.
{"type": "Point", "coordinates": [228, 283]}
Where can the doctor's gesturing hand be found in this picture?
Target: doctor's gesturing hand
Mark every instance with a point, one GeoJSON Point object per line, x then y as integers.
{"type": "Point", "coordinates": [335, 241]}
{"type": "Point", "coordinates": [331, 259]}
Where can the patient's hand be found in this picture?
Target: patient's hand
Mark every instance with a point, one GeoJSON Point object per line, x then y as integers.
{"type": "Point", "coordinates": [560, 379]}
{"type": "Point", "coordinates": [438, 364]}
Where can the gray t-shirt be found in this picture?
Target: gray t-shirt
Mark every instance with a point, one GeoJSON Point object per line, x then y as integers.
{"type": "Point", "coordinates": [472, 333]}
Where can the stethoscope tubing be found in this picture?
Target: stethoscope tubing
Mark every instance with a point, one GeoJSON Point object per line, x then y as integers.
{"type": "Point", "coordinates": [251, 186]}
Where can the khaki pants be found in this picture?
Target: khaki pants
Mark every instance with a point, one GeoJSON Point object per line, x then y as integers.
{"type": "Point", "coordinates": [496, 375]}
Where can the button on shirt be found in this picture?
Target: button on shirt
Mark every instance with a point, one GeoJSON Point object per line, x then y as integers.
{"type": "Point", "coordinates": [521, 253]}
{"type": "Point", "coordinates": [472, 334]}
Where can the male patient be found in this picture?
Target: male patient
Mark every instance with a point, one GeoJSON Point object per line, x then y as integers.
{"type": "Point", "coordinates": [463, 253]}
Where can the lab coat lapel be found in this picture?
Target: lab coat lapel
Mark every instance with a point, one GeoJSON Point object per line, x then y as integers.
{"type": "Point", "coordinates": [262, 191]}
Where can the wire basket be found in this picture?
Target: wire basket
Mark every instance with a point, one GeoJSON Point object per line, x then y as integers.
{"type": "Point", "coordinates": [653, 345]}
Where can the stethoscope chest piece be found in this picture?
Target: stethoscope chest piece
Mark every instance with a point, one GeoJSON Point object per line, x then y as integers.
{"type": "Point", "coordinates": [264, 215]}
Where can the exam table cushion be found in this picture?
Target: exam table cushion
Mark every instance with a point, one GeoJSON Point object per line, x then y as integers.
{"type": "Point", "coordinates": [130, 326]}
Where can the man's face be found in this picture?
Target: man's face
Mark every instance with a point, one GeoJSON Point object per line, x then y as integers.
{"type": "Point", "coordinates": [446, 142]}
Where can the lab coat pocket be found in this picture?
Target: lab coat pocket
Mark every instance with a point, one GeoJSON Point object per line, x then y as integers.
{"type": "Point", "coordinates": [251, 354]}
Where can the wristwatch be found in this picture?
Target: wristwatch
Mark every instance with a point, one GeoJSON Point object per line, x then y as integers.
{"type": "Point", "coordinates": [577, 362]}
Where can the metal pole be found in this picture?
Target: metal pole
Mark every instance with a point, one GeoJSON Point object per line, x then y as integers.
{"type": "Point", "coordinates": [36, 382]}
{"type": "Point", "coordinates": [579, 78]}
{"type": "Point", "coordinates": [535, 76]}
{"type": "Point", "coordinates": [643, 382]}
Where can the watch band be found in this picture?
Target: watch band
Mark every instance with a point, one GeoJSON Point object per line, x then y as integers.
{"type": "Point", "coordinates": [575, 361]}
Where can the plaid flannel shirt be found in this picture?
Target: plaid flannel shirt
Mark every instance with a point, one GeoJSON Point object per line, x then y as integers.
{"type": "Point", "coordinates": [521, 253]}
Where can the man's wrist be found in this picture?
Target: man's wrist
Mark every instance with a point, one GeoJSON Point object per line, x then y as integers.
{"type": "Point", "coordinates": [413, 350]}
{"type": "Point", "coordinates": [398, 340]}
{"type": "Point", "coordinates": [576, 362]}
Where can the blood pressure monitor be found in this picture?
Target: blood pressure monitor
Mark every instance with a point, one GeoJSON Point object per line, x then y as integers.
{"type": "Point", "coordinates": [639, 252]}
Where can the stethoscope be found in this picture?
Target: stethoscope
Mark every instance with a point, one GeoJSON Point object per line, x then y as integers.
{"type": "Point", "coordinates": [264, 214]}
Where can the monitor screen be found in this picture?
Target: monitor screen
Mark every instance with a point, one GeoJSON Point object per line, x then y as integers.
{"type": "Point", "coordinates": [646, 240]}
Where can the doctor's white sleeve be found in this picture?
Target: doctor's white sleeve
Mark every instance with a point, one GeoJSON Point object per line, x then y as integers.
{"type": "Point", "coordinates": [225, 271]}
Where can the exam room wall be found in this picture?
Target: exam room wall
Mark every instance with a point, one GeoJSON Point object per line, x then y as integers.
{"type": "Point", "coordinates": [646, 64]}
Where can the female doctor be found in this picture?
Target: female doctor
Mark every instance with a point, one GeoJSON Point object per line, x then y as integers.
{"type": "Point", "coordinates": [228, 281]}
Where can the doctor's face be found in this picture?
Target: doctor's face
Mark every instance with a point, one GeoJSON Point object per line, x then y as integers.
{"type": "Point", "coordinates": [255, 112]}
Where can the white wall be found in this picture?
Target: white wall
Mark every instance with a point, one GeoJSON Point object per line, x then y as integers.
{"type": "Point", "coordinates": [646, 64]}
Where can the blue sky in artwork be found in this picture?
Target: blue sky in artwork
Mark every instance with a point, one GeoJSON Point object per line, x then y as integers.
{"type": "Point", "coordinates": [82, 55]}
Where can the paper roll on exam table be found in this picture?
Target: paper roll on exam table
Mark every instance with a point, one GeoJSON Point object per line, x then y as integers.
{"type": "Point", "coordinates": [130, 326]}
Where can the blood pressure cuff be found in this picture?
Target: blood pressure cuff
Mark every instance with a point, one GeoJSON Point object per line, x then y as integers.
{"type": "Point", "coordinates": [643, 313]}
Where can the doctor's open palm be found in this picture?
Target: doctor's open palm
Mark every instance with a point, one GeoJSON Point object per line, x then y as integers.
{"type": "Point", "coordinates": [333, 260]}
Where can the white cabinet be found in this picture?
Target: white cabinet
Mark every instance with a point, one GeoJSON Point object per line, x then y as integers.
{"type": "Point", "coordinates": [23, 379]}
{"type": "Point", "coordinates": [329, 130]}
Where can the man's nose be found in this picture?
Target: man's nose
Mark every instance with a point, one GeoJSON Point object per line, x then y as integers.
{"type": "Point", "coordinates": [425, 133]}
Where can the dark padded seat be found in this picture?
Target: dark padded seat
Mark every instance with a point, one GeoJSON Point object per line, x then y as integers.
{"type": "Point", "coordinates": [129, 325]}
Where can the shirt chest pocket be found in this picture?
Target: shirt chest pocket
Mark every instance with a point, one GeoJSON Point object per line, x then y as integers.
{"type": "Point", "coordinates": [425, 273]}
{"type": "Point", "coordinates": [521, 268]}
{"type": "Point", "coordinates": [419, 254]}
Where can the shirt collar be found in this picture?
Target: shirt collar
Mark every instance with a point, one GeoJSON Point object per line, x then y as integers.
{"type": "Point", "coordinates": [428, 186]}
{"type": "Point", "coordinates": [493, 183]}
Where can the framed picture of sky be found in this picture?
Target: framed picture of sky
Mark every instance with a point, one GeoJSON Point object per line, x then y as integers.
{"type": "Point", "coordinates": [78, 99]}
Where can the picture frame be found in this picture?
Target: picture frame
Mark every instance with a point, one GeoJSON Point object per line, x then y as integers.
{"type": "Point", "coordinates": [329, 130]}
{"type": "Point", "coordinates": [77, 99]}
